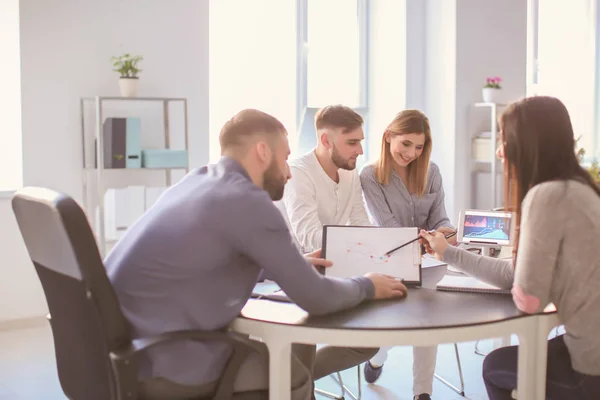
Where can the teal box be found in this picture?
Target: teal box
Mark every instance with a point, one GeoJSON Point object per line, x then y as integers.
{"type": "Point", "coordinates": [133, 142]}
{"type": "Point", "coordinates": [164, 158]}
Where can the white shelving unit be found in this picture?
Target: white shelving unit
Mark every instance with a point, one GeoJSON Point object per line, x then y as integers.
{"type": "Point", "coordinates": [492, 166]}
{"type": "Point", "coordinates": [93, 171]}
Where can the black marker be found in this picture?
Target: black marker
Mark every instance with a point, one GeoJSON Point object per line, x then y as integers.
{"type": "Point", "coordinates": [447, 236]}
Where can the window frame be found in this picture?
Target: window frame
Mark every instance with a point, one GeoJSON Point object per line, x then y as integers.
{"type": "Point", "coordinates": [532, 83]}
{"type": "Point", "coordinates": [363, 13]}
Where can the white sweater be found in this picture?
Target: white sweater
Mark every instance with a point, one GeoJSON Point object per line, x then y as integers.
{"type": "Point", "coordinates": [312, 199]}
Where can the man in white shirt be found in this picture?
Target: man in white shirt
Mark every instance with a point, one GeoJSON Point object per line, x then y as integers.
{"type": "Point", "coordinates": [325, 189]}
{"type": "Point", "coordinates": [325, 186]}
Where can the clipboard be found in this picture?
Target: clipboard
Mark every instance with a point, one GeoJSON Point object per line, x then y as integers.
{"type": "Point", "coordinates": [357, 250]}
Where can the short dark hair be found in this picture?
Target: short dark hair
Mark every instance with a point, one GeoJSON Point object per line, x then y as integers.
{"type": "Point", "coordinates": [338, 116]}
{"type": "Point", "coordinates": [245, 124]}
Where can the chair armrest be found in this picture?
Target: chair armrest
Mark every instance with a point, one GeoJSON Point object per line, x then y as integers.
{"type": "Point", "coordinates": [226, 336]}
{"type": "Point", "coordinates": [125, 368]}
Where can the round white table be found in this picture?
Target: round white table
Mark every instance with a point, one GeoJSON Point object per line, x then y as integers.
{"type": "Point", "coordinates": [425, 317]}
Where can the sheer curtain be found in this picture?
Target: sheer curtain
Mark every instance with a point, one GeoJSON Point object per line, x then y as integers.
{"type": "Point", "coordinates": [333, 53]}
{"type": "Point", "coordinates": [566, 62]}
{"type": "Point", "coordinates": [252, 62]}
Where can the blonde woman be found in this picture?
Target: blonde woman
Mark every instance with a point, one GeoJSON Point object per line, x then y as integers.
{"type": "Point", "coordinates": [404, 189]}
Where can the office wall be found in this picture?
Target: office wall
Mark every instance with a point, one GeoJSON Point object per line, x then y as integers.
{"type": "Point", "coordinates": [465, 42]}
{"type": "Point", "coordinates": [491, 40]}
{"type": "Point", "coordinates": [66, 47]}
{"type": "Point", "coordinates": [440, 89]}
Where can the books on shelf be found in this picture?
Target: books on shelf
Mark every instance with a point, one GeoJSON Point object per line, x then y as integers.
{"type": "Point", "coordinates": [458, 283]}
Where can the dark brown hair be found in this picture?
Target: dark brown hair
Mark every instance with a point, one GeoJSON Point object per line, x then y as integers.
{"type": "Point", "coordinates": [405, 122]}
{"type": "Point", "coordinates": [539, 146]}
{"type": "Point", "coordinates": [246, 124]}
{"type": "Point", "coordinates": [338, 116]}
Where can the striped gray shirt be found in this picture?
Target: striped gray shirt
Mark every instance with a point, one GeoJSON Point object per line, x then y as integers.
{"type": "Point", "coordinates": [391, 205]}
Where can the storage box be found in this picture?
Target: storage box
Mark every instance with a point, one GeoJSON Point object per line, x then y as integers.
{"type": "Point", "coordinates": [482, 149]}
{"type": "Point", "coordinates": [122, 138]}
{"type": "Point", "coordinates": [164, 158]}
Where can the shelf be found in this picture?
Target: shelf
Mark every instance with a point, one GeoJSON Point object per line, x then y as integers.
{"type": "Point", "coordinates": [118, 98]}
{"type": "Point", "coordinates": [96, 179]}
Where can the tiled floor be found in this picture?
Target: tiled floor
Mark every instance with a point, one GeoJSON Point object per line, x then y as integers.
{"type": "Point", "coordinates": [28, 371]}
{"type": "Point", "coordinates": [395, 382]}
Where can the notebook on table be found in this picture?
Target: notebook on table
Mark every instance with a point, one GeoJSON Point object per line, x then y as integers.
{"type": "Point", "coordinates": [451, 283]}
{"type": "Point", "coordinates": [269, 290]}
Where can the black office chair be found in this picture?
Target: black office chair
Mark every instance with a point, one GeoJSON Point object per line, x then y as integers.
{"type": "Point", "coordinates": [95, 351]}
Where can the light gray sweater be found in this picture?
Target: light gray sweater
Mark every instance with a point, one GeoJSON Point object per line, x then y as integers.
{"type": "Point", "coordinates": [557, 262]}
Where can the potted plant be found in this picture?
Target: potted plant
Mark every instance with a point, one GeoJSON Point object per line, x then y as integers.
{"type": "Point", "coordinates": [490, 89]}
{"type": "Point", "coordinates": [594, 168]}
{"type": "Point", "coordinates": [127, 66]}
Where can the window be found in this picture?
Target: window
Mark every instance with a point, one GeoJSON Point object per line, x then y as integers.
{"type": "Point", "coordinates": [252, 62]}
{"type": "Point", "coordinates": [563, 61]}
{"type": "Point", "coordinates": [285, 58]}
{"type": "Point", "coordinates": [333, 51]}
{"type": "Point", "coordinates": [332, 41]}
{"type": "Point", "coordinates": [11, 168]}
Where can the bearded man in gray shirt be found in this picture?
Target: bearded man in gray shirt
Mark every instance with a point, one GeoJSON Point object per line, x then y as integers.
{"type": "Point", "coordinates": [192, 260]}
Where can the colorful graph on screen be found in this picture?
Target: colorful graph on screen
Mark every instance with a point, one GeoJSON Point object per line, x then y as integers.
{"type": "Point", "coordinates": [482, 227]}
{"type": "Point", "coordinates": [475, 221]}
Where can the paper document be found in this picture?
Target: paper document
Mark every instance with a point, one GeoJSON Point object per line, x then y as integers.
{"type": "Point", "coordinates": [356, 251]}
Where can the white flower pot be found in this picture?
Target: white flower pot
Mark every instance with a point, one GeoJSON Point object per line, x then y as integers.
{"type": "Point", "coordinates": [129, 87]}
{"type": "Point", "coordinates": [490, 95]}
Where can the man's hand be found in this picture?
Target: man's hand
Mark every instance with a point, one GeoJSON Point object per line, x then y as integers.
{"type": "Point", "coordinates": [436, 243]}
{"type": "Point", "coordinates": [386, 287]}
{"type": "Point", "coordinates": [315, 259]}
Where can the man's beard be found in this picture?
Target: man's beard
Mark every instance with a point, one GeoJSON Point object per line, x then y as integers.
{"type": "Point", "coordinates": [274, 182]}
{"type": "Point", "coordinates": [339, 162]}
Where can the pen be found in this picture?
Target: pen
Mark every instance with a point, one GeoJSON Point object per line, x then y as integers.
{"type": "Point", "coordinates": [447, 236]}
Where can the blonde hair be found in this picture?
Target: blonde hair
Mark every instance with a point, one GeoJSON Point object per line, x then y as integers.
{"type": "Point", "coordinates": [405, 122]}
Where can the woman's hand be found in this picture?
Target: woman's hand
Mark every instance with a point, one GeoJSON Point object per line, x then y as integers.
{"type": "Point", "coordinates": [436, 243]}
{"type": "Point", "coordinates": [446, 230]}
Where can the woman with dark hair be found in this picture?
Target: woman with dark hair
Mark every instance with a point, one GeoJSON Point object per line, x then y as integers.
{"type": "Point", "coordinates": [555, 260]}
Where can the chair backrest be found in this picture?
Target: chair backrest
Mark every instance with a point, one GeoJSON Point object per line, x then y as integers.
{"type": "Point", "coordinates": [86, 319]}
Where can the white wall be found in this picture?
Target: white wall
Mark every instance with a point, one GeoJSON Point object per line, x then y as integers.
{"type": "Point", "coordinates": [10, 100]}
{"type": "Point", "coordinates": [66, 47]}
{"type": "Point", "coordinates": [491, 40]}
{"type": "Point", "coordinates": [440, 89]}
{"type": "Point", "coordinates": [466, 41]}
